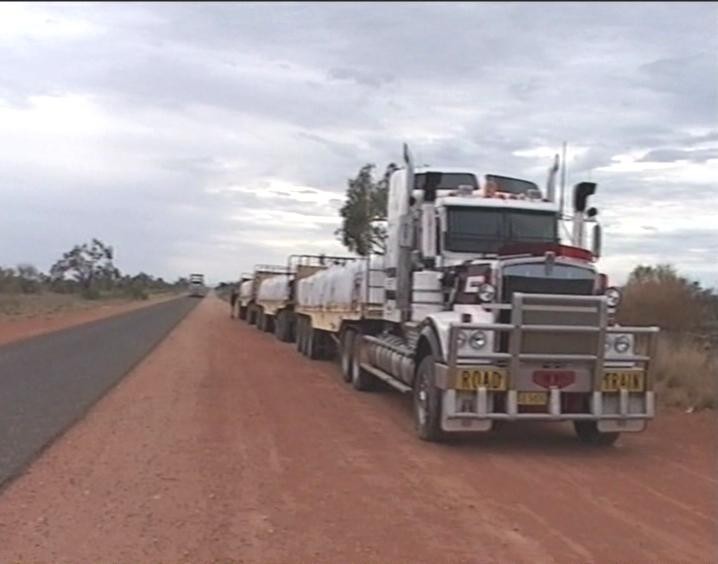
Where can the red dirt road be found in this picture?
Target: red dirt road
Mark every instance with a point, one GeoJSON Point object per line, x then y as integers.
{"type": "Point", "coordinates": [227, 446]}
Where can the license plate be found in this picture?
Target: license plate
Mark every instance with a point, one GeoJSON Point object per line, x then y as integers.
{"type": "Point", "coordinates": [532, 398]}
{"type": "Point", "coordinates": [471, 379]}
{"type": "Point", "coordinates": [623, 380]}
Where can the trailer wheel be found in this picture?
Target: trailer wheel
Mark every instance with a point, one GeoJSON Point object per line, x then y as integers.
{"type": "Point", "coordinates": [283, 327]}
{"type": "Point", "coordinates": [361, 379]}
{"type": "Point", "coordinates": [427, 402]}
{"type": "Point", "coordinates": [300, 335]}
{"type": "Point", "coordinates": [588, 433]}
{"type": "Point", "coordinates": [268, 323]}
{"type": "Point", "coordinates": [346, 351]}
{"type": "Point", "coordinates": [242, 312]}
{"type": "Point", "coordinates": [314, 342]}
{"type": "Point", "coordinates": [251, 315]}
{"type": "Point", "coordinates": [279, 324]}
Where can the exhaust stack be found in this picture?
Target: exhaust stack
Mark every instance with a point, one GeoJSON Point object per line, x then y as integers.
{"type": "Point", "coordinates": [581, 192]}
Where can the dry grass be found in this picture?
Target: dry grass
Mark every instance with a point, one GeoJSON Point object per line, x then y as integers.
{"type": "Point", "coordinates": [686, 374]}
{"type": "Point", "coordinates": [23, 306]}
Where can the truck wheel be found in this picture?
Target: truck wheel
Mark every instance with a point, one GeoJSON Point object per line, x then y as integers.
{"type": "Point", "coordinates": [361, 379]}
{"type": "Point", "coordinates": [314, 343]}
{"type": "Point", "coordinates": [346, 351]}
{"type": "Point", "coordinates": [427, 402]}
{"type": "Point", "coordinates": [588, 433]}
{"type": "Point", "coordinates": [300, 335]}
{"type": "Point", "coordinates": [283, 327]}
{"type": "Point", "coordinates": [251, 315]}
{"type": "Point", "coordinates": [242, 312]}
{"type": "Point", "coordinates": [268, 323]}
{"type": "Point", "coordinates": [279, 326]}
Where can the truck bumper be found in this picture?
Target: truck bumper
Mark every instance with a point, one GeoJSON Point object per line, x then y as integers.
{"type": "Point", "coordinates": [614, 408]}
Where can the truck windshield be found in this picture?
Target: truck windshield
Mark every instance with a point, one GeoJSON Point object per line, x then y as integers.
{"type": "Point", "coordinates": [481, 230]}
{"type": "Point", "coordinates": [448, 181]}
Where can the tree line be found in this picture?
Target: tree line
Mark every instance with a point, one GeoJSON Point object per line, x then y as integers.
{"type": "Point", "coordinates": [87, 269]}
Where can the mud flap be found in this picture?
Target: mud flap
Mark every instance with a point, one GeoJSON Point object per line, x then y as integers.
{"type": "Point", "coordinates": [454, 425]}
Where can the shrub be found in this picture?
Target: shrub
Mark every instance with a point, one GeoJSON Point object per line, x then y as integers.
{"type": "Point", "coordinates": [686, 373]}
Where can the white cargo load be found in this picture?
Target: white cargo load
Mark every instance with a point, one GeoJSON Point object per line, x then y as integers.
{"type": "Point", "coordinates": [274, 289]}
{"type": "Point", "coordinates": [344, 287]}
{"type": "Point", "coordinates": [245, 290]}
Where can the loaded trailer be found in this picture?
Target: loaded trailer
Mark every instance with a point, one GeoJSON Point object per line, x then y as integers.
{"type": "Point", "coordinates": [274, 298]}
{"type": "Point", "coordinates": [249, 288]}
{"type": "Point", "coordinates": [482, 313]}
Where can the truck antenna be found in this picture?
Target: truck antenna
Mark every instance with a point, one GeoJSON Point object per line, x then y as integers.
{"type": "Point", "coordinates": [563, 179]}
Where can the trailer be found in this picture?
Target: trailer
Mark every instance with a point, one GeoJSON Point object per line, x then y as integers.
{"type": "Point", "coordinates": [249, 287]}
{"type": "Point", "coordinates": [482, 313]}
{"type": "Point", "coordinates": [276, 295]}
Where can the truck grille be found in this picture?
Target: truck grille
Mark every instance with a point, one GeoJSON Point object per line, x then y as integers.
{"type": "Point", "coordinates": [550, 343]}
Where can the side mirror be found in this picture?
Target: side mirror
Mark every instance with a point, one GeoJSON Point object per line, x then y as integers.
{"type": "Point", "coordinates": [591, 212]}
{"type": "Point", "coordinates": [597, 236]}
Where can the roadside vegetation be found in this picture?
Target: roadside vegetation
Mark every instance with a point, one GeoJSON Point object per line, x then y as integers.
{"type": "Point", "coordinates": [84, 274]}
{"type": "Point", "coordinates": [686, 365]}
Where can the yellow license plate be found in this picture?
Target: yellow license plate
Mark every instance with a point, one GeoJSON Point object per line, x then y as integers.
{"type": "Point", "coordinates": [532, 398]}
{"type": "Point", "coordinates": [493, 379]}
{"type": "Point", "coordinates": [623, 380]}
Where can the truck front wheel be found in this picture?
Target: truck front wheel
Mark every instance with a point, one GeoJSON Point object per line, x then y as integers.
{"type": "Point", "coordinates": [427, 402]}
{"type": "Point", "coordinates": [587, 432]}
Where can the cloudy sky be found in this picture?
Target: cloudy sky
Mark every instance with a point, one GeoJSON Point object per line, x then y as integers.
{"type": "Point", "coordinates": [210, 137]}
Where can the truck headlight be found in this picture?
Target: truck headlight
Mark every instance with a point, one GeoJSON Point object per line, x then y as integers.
{"type": "Point", "coordinates": [477, 340]}
{"type": "Point", "coordinates": [613, 296]}
{"type": "Point", "coordinates": [487, 293]}
{"type": "Point", "coordinates": [622, 344]}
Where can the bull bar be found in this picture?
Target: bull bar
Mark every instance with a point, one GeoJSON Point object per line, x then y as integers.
{"type": "Point", "coordinates": [514, 359]}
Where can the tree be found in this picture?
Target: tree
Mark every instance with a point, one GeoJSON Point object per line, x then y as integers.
{"type": "Point", "coordinates": [363, 212]}
{"type": "Point", "coordinates": [30, 278]}
{"type": "Point", "coordinates": [88, 264]}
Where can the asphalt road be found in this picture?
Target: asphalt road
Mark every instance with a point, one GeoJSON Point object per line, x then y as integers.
{"type": "Point", "coordinates": [48, 382]}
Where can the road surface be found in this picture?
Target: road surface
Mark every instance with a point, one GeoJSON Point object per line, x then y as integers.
{"type": "Point", "coordinates": [225, 445]}
{"type": "Point", "coordinates": [48, 382]}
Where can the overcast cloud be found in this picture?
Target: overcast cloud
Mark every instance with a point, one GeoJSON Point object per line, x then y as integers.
{"type": "Point", "coordinates": [210, 137]}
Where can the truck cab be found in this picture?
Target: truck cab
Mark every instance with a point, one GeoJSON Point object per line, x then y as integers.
{"type": "Point", "coordinates": [493, 317]}
{"type": "Point", "coordinates": [196, 285]}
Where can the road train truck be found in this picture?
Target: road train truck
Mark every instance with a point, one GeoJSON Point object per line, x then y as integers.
{"type": "Point", "coordinates": [197, 288]}
{"type": "Point", "coordinates": [480, 312]}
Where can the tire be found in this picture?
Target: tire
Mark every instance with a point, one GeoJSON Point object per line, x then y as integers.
{"type": "Point", "coordinates": [361, 380]}
{"type": "Point", "coordinates": [427, 402]}
{"type": "Point", "coordinates": [313, 343]}
{"type": "Point", "coordinates": [251, 315]}
{"type": "Point", "coordinates": [268, 323]}
{"type": "Point", "coordinates": [346, 354]}
{"type": "Point", "coordinates": [259, 316]}
{"type": "Point", "coordinates": [242, 312]}
{"type": "Point", "coordinates": [300, 335]}
{"type": "Point", "coordinates": [279, 326]}
{"type": "Point", "coordinates": [588, 433]}
{"type": "Point", "coordinates": [283, 327]}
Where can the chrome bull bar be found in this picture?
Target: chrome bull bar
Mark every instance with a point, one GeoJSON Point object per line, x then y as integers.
{"type": "Point", "coordinates": [515, 358]}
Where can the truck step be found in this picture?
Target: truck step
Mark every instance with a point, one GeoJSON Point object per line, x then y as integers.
{"type": "Point", "coordinates": [393, 382]}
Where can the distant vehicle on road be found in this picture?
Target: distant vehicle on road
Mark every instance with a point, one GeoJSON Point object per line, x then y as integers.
{"type": "Point", "coordinates": [197, 288]}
